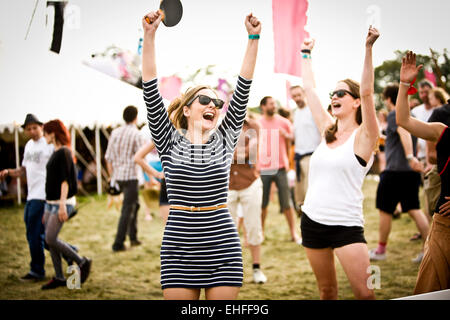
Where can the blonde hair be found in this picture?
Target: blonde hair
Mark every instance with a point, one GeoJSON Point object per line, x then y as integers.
{"type": "Point", "coordinates": [440, 95]}
{"type": "Point", "coordinates": [175, 110]}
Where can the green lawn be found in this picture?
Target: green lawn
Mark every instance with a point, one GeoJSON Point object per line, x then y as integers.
{"type": "Point", "coordinates": [134, 274]}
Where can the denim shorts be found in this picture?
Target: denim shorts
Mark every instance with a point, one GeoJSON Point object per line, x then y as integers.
{"type": "Point", "coordinates": [54, 208]}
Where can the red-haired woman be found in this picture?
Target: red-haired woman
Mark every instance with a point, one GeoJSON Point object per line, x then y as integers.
{"type": "Point", "coordinates": [60, 189]}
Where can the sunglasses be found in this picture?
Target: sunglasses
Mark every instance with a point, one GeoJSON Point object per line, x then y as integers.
{"type": "Point", "coordinates": [205, 100]}
{"type": "Point", "coordinates": [341, 93]}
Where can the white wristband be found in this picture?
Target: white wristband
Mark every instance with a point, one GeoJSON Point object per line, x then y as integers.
{"type": "Point", "coordinates": [405, 84]}
{"type": "Point", "coordinates": [409, 157]}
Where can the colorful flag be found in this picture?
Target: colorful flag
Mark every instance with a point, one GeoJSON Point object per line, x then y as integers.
{"type": "Point", "coordinates": [429, 75]}
{"type": "Point", "coordinates": [289, 20]}
{"type": "Point", "coordinates": [170, 87]}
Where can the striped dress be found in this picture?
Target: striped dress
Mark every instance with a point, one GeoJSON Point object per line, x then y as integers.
{"type": "Point", "coordinates": [200, 249]}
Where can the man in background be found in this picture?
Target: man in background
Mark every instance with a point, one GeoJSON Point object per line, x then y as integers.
{"type": "Point", "coordinates": [125, 141]}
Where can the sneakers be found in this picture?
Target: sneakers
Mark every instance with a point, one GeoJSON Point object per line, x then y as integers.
{"type": "Point", "coordinates": [85, 269]}
{"type": "Point", "coordinates": [53, 284]}
{"type": "Point", "coordinates": [31, 277]}
{"type": "Point", "coordinates": [117, 248]}
{"type": "Point", "coordinates": [258, 276]}
{"type": "Point", "coordinates": [374, 256]}
{"type": "Point", "coordinates": [419, 258]}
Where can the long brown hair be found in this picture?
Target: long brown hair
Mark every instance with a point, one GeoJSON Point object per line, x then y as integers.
{"type": "Point", "coordinates": [330, 132]}
{"type": "Point", "coordinates": [175, 110]}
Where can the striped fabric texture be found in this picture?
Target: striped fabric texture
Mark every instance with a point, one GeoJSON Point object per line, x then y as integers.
{"type": "Point", "coordinates": [200, 249]}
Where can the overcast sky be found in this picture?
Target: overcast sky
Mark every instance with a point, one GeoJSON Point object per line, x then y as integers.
{"type": "Point", "coordinates": [213, 32]}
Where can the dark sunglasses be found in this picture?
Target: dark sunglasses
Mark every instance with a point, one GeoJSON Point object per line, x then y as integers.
{"type": "Point", "coordinates": [205, 100]}
{"type": "Point", "coordinates": [341, 93]}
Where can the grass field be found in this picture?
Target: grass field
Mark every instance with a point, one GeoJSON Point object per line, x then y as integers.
{"type": "Point", "coordinates": [134, 274]}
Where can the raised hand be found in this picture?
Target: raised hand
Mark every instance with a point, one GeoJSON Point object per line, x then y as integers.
{"type": "Point", "coordinates": [308, 44]}
{"type": "Point", "coordinates": [150, 21]}
{"type": "Point", "coordinates": [409, 71]}
{"type": "Point", "coordinates": [372, 36]}
{"type": "Point", "coordinates": [252, 24]}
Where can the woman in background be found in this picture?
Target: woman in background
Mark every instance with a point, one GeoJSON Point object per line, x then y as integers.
{"type": "Point", "coordinates": [60, 188]}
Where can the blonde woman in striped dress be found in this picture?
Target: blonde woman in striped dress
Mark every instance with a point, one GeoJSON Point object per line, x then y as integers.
{"type": "Point", "coordinates": [200, 247]}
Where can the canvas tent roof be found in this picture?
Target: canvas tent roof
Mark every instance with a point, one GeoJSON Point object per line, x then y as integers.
{"type": "Point", "coordinates": [51, 86]}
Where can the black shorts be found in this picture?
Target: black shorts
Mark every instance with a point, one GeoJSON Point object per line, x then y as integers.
{"type": "Point", "coordinates": [319, 236]}
{"type": "Point", "coordinates": [398, 186]}
{"type": "Point", "coordinates": [163, 200]}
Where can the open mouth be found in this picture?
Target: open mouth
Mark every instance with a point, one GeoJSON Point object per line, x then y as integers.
{"type": "Point", "coordinates": [336, 105]}
{"type": "Point", "coordinates": [208, 116]}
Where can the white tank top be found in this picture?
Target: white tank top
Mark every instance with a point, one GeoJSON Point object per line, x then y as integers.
{"type": "Point", "coordinates": [334, 195]}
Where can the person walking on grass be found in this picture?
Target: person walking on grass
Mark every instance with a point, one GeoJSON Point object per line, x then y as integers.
{"type": "Point", "coordinates": [332, 221]}
{"type": "Point", "coordinates": [125, 141]}
{"type": "Point", "coordinates": [200, 246]}
{"type": "Point", "coordinates": [35, 158]}
{"type": "Point", "coordinates": [276, 134]}
{"type": "Point", "coordinates": [434, 271]}
{"type": "Point", "coordinates": [60, 189]}
{"type": "Point", "coordinates": [399, 182]}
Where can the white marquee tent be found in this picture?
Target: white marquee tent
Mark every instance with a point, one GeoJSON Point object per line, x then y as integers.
{"type": "Point", "coordinates": [36, 80]}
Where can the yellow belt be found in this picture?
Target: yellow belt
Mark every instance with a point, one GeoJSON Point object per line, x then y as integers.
{"type": "Point", "coordinates": [186, 208]}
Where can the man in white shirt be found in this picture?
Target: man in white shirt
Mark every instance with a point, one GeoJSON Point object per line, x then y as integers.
{"type": "Point", "coordinates": [36, 154]}
{"type": "Point", "coordinates": [423, 112]}
{"type": "Point", "coordinates": [307, 138]}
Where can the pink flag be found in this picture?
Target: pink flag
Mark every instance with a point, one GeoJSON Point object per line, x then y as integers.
{"type": "Point", "coordinates": [288, 92]}
{"type": "Point", "coordinates": [170, 87]}
{"type": "Point", "coordinates": [429, 75]}
{"type": "Point", "coordinates": [289, 20]}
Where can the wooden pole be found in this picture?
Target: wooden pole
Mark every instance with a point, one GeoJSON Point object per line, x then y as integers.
{"type": "Point", "coordinates": [16, 142]}
{"type": "Point", "coordinates": [98, 160]}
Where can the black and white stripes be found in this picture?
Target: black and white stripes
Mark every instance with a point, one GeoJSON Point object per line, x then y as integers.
{"type": "Point", "coordinates": [199, 249]}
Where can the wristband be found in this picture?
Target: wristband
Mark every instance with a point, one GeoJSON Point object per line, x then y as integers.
{"type": "Point", "coordinates": [253, 36]}
{"type": "Point", "coordinates": [409, 157]}
{"type": "Point", "coordinates": [306, 51]}
{"type": "Point", "coordinates": [404, 83]}
{"type": "Point", "coordinates": [306, 56]}
{"type": "Point", "coordinates": [411, 89]}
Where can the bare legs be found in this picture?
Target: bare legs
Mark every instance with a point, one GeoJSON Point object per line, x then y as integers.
{"type": "Point", "coordinates": [215, 293]}
{"type": "Point", "coordinates": [354, 259]}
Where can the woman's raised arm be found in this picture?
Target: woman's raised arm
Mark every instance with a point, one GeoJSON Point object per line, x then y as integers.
{"type": "Point", "coordinates": [427, 131]}
{"type": "Point", "coordinates": [150, 23]}
{"type": "Point", "coordinates": [321, 117]}
{"type": "Point", "coordinates": [253, 26]}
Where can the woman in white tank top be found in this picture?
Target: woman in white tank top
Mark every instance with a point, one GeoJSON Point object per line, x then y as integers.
{"type": "Point", "coordinates": [333, 222]}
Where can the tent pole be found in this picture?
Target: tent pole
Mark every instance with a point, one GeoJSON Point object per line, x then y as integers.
{"type": "Point", "coordinates": [16, 142]}
{"type": "Point", "coordinates": [74, 137]}
{"type": "Point", "coordinates": [98, 160]}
